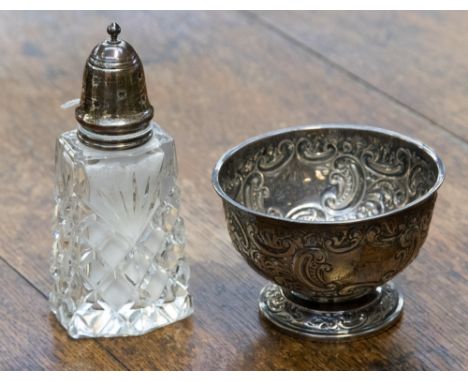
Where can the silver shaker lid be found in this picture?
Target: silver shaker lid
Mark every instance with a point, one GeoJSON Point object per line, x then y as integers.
{"type": "Point", "coordinates": [114, 110]}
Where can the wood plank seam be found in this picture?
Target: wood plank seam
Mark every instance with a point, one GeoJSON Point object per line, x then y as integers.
{"type": "Point", "coordinates": [45, 296]}
{"type": "Point", "coordinates": [353, 76]}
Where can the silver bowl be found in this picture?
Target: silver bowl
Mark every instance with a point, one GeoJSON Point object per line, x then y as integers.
{"type": "Point", "coordinates": [329, 214]}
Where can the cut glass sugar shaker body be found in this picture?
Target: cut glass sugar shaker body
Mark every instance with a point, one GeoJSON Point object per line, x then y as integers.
{"type": "Point", "coordinates": [118, 264]}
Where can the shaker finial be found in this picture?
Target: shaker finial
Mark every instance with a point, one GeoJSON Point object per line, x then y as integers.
{"type": "Point", "coordinates": [113, 29]}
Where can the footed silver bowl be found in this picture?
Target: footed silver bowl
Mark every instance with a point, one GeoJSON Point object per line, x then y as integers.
{"type": "Point", "coordinates": [329, 214]}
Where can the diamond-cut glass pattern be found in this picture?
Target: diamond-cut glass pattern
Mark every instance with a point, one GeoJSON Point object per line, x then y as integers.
{"type": "Point", "coordinates": [118, 263]}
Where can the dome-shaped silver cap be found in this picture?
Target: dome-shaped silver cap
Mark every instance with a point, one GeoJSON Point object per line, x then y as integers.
{"type": "Point", "coordinates": [114, 111]}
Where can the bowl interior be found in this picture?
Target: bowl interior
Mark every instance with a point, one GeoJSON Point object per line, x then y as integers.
{"type": "Point", "coordinates": [328, 174]}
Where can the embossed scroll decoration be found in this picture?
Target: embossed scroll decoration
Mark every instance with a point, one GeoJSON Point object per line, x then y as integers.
{"type": "Point", "coordinates": [323, 178]}
{"type": "Point", "coordinates": [330, 215]}
{"type": "Point", "coordinates": [310, 260]}
{"type": "Point", "coordinates": [345, 178]}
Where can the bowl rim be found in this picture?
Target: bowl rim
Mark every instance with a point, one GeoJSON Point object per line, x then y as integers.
{"type": "Point", "coordinates": [338, 126]}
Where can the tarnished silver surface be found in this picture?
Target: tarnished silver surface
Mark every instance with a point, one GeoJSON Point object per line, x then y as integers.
{"type": "Point", "coordinates": [366, 315]}
{"type": "Point", "coordinates": [329, 213]}
{"type": "Point", "coordinates": [114, 111]}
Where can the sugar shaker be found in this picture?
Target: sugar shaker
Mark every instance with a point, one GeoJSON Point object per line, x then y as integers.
{"type": "Point", "coordinates": [118, 263]}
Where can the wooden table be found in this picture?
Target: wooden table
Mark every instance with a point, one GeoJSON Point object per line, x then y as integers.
{"type": "Point", "coordinates": [215, 79]}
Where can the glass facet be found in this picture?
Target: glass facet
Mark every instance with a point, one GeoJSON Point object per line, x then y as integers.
{"type": "Point", "coordinates": [118, 263]}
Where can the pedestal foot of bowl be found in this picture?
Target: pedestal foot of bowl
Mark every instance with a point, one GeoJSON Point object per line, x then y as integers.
{"type": "Point", "coordinates": [331, 321]}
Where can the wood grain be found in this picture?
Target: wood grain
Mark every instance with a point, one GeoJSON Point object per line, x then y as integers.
{"type": "Point", "coordinates": [416, 58]}
{"type": "Point", "coordinates": [32, 339]}
{"type": "Point", "coordinates": [215, 79]}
